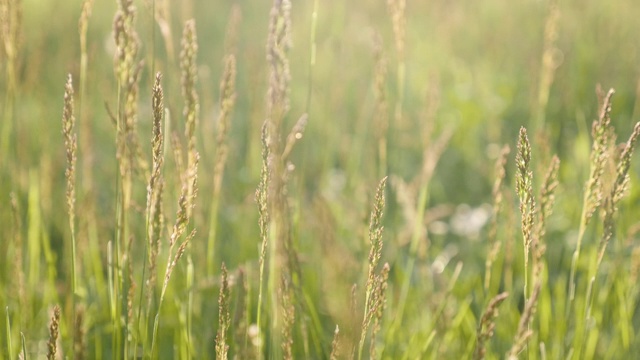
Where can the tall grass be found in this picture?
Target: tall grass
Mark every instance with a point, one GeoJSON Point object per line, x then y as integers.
{"type": "Point", "coordinates": [175, 195]}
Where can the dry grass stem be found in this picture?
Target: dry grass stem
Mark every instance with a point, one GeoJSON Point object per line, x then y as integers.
{"type": "Point", "coordinates": [10, 35]}
{"type": "Point", "coordinates": [79, 338]}
{"type": "Point", "coordinates": [240, 318]}
{"type": "Point", "coordinates": [524, 332]}
{"type": "Point", "coordinates": [227, 103]}
{"type": "Point", "coordinates": [381, 111]}
{"type": "Point", "coordinates": [593, 194]}
{"type": "Point", "coordinates": [497, 194]}
{"type": "Point", "coordinates": [71, 145]}
{"type": "Point", "coordinates": [547, 200]}
{"type": "Point", "coordinates": [547, 195]}
{"type": "Point", "coordinates": [295, 135]}
{"type": "Point", "coordinates": [264, 219]}
{"type": "Point", "coordinates": [224, 319]}
{"type": "Point", "coordinates": [354, 321]}
{"type": "Point", "coordinates": [487, 325]}
{"type": "Point", "coordinates": [378, 306]}
{"type": "Point", "coordinates": [599, 157]}
{"type": "Point", "coordinates": [399, 21]}
{"type": "Point", "coordinates": [83, 22]}
{"type": "Point", "coordinates": [431, 156]}
{"type": "Point", "coordinates": [278, 44]}
{"type": "Point", "coordinates": [86, 135]}
{"type": "Point", "coordinates": [551, 59]}
{"type": "Point", "coordinates": [335, 345]}
{"type": "Point", "coordinates": [155, 187]}
{"type": "Point", "coordinates": [18, 284]}
{"type": "Point", "coordinates": [524, 189]}
{"type": "Point", "coordinates": [375, 234]}
{"type": "Point", "coordinates": [231, 33]}
{"type": "Point", "coordinates": [131, 290]}
{"type": "Point", "coordinates": [178, 157]}
{"type": "Point", "coordinates": [54, 332]}
{"type": "Point", "coordinates": [288, 318]}
{"type": "Point", "coordinates": [277, 107]}
{"type": "Point", "coordinates": [376, 283]}
{"type": "Point", "coordinates": [618, 190]}
{"type": "Point", "coordinates": [185, 208]}
{"type": "Point", "coordinates": [191, 109]}
{"type": "Point", "coordinates": [128, 70]}
{"type": "Point", "coordinates": [162, 18]}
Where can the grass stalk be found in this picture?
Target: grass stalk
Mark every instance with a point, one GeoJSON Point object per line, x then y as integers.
{"type": "Point", "coordinates": [430, 157]}
{"type": "Point", "coordinates": [263, 222]}
{"type": "Point", "coordinates": [189, 69]}
{"type": "Point", "coordinates": [600, 132]}
{"type": "Point", "coordinates": [18, 257]}
{"type": "Point", "coordinates": [79, 334]}
{"type": "Point", "coordinates": [185, 208]}
{"type": "Point", "coordinates": [83, 24]}
{"type": "Point", "coordinates": [495, 244]}
{"type": "Point", "coordinates": [54, 332]}
{"type": "Point", "coordinates": [154, 209]}
{"type": "Point", "coordinates": [24, 347]}
{"type": "Point", "coordinates": [524, 189]}
{"type": "Point", "coordinates": [121, 221]}
{"type": "Point", "coordinates": [312, 54]}
{"type": "Point", "coordinates": [128, 153]}
{"type": "Point", "coordinates": [487, 325]}
{"type": "Point", "coordinates": [376, 283]}
{"type": "Point", "coordinates": [381, 114]}
{"type": "Point", "coordinates": [288, 318]}
{"type": "Point", "coordinates": [617, 190]}
{"type": "Point", "coordinates": [551, 60]}
{"type": "Point", "coordinates": [335, 345]}
{"type": "Point", "coordinates": [113, 293]}
{"type": "Point", "coordinates": [11, 34]}
{"type": "Point", "coordinates": [8, 324]}
{"type": "Point", "coordinates": [399, 22]}
{"type": "Point", "coordinates": [227, 103]}
{"type": "Point", "coordinates": [423, 197]}
{"type": "Point", "coordinates": [70, 139]}
{"type": "Point", "coordinates": [279, 41]}
{"type": "Point", "coordinates": [224, 319]}
{"type": "Point", "coordinates": [524, 332]}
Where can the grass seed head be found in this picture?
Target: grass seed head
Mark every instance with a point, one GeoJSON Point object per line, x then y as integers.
{"type": "Point", "coordinates": [71, 145]}
{"type": "Point", "coordinates": [399, 21]}
{"type": "Point", "coordinates": [223, 318]}
{"type": "Point", "coordinates": [524, 187]}
{"type": "Point", "coordinates": [335, 345]}
{"type": "Point", "coordinates": [600, 132]}
{"type": "Point", "coordinates": [54, 332]}
{"type": "Point", "coordinates": [487, 325]}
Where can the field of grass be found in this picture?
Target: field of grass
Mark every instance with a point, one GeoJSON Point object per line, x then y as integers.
{"type": "Point", "coordinates": [319, 180]}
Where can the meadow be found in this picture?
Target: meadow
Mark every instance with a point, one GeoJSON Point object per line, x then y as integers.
{"type": "Point", "coordinates": [319, 180]}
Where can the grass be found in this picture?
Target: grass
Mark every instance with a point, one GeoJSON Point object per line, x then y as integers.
{"type": "Point", "coordinates": [337, 175]}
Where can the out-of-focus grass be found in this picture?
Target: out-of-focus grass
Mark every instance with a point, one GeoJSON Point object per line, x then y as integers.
{"type": "Point", "coordinates": [471, 68]}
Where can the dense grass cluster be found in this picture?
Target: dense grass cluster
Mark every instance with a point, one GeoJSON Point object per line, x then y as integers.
{"type": "Point", "coordinates": [342, 180]}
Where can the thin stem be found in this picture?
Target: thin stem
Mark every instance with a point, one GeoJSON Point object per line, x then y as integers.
{"type": "Point", "coordinates": [9, 347]}
{"type": "Point", "coordinates": [413, 249]}
{"type": "Point", "coordinates": [312, 60]}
